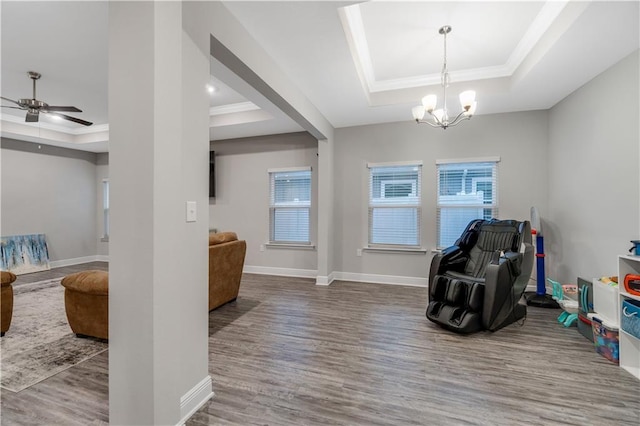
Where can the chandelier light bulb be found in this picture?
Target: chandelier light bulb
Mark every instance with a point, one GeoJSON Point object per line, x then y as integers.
{"type": "Point", "coordinates": [467, 98]}
{"type": "Point", "coordinates": [429, 102]}
{"type": "Point", "coordinates": [440, 115]}
{"type": "Point", "coordinates": [472, 109]}
{"type": "Point", "coordinates": [418, 112]}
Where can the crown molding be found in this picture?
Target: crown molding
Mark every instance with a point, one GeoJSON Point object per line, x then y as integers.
{"type": "Point", "coordinates": [233, 108]}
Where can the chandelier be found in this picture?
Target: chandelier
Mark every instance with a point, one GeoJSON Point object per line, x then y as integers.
{"type": "Point", "coordinates": [429, 102]}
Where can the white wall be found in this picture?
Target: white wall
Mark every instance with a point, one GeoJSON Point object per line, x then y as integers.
{"type": "Point", "coordinates": [242, 195]}
{"type": "Point", "coordinates": [158, 160]}
{"type": "Point", "coordinates": [519, 139]}
{"type": "Point", "coordinates": [594, 202]}
{"type": "Point", "coordinates": [50, 190]}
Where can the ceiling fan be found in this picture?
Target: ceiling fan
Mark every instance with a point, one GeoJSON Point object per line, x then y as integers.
{"type": "Point", "coordinates": [34, 107]}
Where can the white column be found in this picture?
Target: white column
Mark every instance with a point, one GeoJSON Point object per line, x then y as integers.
{"type": "Point", "coordinates": [325, 212]}
{"type": "Point", "coordinates": [158, 154]}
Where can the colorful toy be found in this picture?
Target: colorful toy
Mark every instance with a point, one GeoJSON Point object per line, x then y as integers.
{"type": "Point", "coordinates": [569, 305]}
{"type": "Point", "coordinates": [539, 298]}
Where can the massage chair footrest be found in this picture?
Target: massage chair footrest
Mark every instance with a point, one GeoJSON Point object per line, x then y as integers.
{"type": "Point", "coordinates": [456, 304]}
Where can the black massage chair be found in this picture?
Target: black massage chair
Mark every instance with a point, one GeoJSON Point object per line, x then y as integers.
{"type": "Point", "coordinates": [477, 283]}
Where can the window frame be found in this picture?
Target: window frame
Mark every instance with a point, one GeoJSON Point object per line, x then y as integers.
{"type": "Point", "coordinates": [412, 201]}
{"type": "Point", "coordinates": [275, 206]}
{"type": "Point", "coordinates": [472, 163]}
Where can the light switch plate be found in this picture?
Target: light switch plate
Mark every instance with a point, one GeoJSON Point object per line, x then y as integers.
{"type": "Point", "coordinates": [191, 211]}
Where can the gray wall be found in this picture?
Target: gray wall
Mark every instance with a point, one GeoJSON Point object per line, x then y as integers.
{"type": "Point", "coordinates": [593, 167]}
{"type": "Point", "coordinates": [242, 194]}
{"type": "Point", "coordinates": [50, 190]}
{"type": "Point", "coordinates": [519, 139]}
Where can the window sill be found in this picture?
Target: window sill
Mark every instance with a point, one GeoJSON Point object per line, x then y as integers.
{"type": "Point", "coordinates": [419, 250]}
{"type": "Point", "coordinates": [291, 246]}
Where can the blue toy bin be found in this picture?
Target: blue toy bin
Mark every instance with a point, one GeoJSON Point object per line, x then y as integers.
{"type": "Point", "coordinates": [605, 339]}
{"type": "Point", "coordinates": [630, 318]}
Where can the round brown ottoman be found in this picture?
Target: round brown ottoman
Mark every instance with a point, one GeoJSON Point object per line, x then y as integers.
{"type": "Point", "coordinates": [86, 300]}
{"type": "Point", "coordinates": [6, 300]}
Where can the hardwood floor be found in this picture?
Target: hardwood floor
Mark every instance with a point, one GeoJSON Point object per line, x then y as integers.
{"type": "Point", "coordinates": [77, 396]}
{"type": "Point", "coordinates": [288, 352]}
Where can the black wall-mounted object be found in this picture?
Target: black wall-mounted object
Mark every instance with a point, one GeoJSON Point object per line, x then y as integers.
{"type": "Point", "coordinates": [212, 174]}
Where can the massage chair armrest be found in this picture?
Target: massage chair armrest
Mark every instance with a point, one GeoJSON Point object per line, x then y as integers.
{"type": "Point", "coordinates": [450, 259]}
{"type": "Point", "coordinates": [500, 276]}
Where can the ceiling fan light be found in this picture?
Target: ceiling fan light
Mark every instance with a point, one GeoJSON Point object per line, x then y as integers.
{"type": "Point", "coordinates": [418, 112]}
{"type": "Point", "coordinates": [429, 102]}
{"type": "Point", "coordinates": [467, 98]}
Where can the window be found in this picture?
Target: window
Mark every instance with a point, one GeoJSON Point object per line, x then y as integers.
{"type": "Point", "coordinates": [105, 209]}
{"type": "Point", "coordinates": [395, 204]}
{"type": "Point", "coordinates": [290, 205]}
{"type": "Point", "coordinates": [466, 191]}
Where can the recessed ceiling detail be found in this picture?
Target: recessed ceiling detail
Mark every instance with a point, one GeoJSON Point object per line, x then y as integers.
{"type": "Point", "coordinates": [233, 108]}
{"type": "Point", "coordinates": [387, 59]}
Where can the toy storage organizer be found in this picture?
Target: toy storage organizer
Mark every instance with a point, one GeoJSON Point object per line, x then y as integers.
{"type": "Point", "coordinates": [585, 307]}
{"type": "Point", "coordinates": [606, 338]}
{"type": "Point", "coordinates": [605, 302]}
{"type": "Point", "coordinates": [629, 341]}
{"type": "Point", "coordinates": [630, 318]}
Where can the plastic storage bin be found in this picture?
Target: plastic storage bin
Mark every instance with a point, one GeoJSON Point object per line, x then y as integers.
{"type": "Point", "coordinates": [605, 302]}
{"type": "Point", "coordinates": [605, 338]}
{"type": "Point", "coordinates": [584, 326]}
{"type": "Point", "coordinates": [585, 300]}
{"type": "Point", "coordinates": [630, 319]}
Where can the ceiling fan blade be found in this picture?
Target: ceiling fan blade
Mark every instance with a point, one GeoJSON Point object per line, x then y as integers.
{"type": "Point", "coordinates": [63, 108]}
{"type": "Point", "coordinates": [10, 100]}
{"type": "Point", "coordinates": [32, 117]}
{"type": "Point", "coordinates": [7, 106]}
{"type": "Point", "coordinates": [75, 120]}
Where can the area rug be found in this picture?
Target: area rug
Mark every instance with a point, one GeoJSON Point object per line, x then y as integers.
{"type": "Point", "coordinates": [40, 343]}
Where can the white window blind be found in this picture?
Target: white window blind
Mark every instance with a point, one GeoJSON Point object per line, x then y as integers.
{"type": "Point", "coordinates": [395, 204]}
{"type": "Point", "coordinates": [290, 205]}
{"type": "Point", "coordinates": [466, 191]}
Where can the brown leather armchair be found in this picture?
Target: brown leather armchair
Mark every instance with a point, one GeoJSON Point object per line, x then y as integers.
{"type": "Point", "coordinates": [6, 300]}
{"type": "Point", "coordinates": [226, 260]}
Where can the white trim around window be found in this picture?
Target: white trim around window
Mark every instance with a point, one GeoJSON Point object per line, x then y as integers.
{"type": "Point", "coordinates": [467, 190]}
{"type": "Point", "coordinates": [290, 207]}
{"type": "Point", "coordinates": [394, 208]}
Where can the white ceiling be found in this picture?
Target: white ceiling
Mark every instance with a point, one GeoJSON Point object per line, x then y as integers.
{"type": "Point", "coordinates": [357, 62]}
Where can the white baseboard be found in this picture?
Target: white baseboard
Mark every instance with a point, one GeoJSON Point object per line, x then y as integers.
{"type": "Point", "coordinates": [285, 272]}
{"type": "Point", "coordinates": [195, 398]}
{"type": "Point", "coordinates": [337, 275]}
{"type": "Point", "coordinates": [325, 280]}
{"type": "Point", "coordinates": [382, 279]}
{"type": "Point", "coordinates": [78, 260]}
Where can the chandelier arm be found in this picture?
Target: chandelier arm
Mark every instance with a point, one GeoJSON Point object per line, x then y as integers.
{"type": "Point", "coordinates": [461, 117]}
{"type": "Point", "coordinates": [439, 123]}
{"type": "Point", "coordinates": [428, 122]}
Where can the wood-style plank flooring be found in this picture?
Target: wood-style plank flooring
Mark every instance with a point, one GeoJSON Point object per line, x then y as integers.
{"type": "Point", "coordinates": [288, 352]}
{"type": "Point", "coordinates": [77, 396]}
